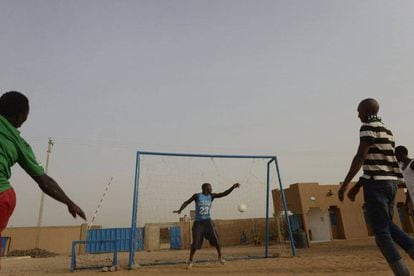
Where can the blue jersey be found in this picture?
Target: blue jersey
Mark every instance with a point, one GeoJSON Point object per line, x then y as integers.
{"type": "Point", "coordinates": [203, 206]}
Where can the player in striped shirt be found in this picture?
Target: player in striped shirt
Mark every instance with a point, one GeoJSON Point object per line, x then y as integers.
{"type": "Point", "coordinates": [381, 173]}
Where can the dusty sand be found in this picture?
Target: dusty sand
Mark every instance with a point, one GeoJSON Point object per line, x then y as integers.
{"type": "Point", "coordinates": [333, 258]}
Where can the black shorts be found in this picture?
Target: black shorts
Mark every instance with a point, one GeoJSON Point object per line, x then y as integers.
{"type": "Point", "coordinates": [204, 229]}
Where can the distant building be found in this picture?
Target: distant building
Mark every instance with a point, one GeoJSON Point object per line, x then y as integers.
{"type": "Point", "coordinates": [317, 210]}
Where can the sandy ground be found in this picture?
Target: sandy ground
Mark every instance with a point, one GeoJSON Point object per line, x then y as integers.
{"type": "Point", "coordinates": [333, 258]}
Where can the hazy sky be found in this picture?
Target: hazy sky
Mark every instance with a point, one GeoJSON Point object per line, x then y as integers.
{"type": "Point", "coordinates": [252, 77]}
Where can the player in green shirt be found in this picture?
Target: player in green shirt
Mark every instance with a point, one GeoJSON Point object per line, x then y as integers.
{"type": "Point", "coordinates": [14, 110]}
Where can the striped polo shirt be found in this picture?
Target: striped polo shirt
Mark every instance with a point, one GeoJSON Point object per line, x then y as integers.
{"type": "Point", "coordinates": [381, 163]}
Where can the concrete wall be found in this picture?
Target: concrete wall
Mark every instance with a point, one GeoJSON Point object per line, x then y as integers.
{"type": "Point", "coordinates": [57, 239]}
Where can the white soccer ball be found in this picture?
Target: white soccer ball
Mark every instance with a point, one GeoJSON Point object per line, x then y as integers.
{"type": "Point", "coordinates": [242, 208]}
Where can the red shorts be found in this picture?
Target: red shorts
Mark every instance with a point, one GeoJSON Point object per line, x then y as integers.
{"type": "Point", "coordinates": [7, 204]}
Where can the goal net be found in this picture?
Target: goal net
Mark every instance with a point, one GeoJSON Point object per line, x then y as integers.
{"type": "Point", "coordinates": [165, 180]}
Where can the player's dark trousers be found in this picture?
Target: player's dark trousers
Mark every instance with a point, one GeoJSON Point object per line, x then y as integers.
{"type": "Point", "coordinates": [379, 197]}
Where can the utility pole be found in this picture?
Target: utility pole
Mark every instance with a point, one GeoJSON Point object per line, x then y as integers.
{"type": "Point", "coordinates": [42, 196]}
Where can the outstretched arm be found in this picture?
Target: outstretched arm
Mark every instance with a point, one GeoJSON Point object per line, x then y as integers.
{"type": "Point", "coordinates": [191, 199]}
{"type": "Point", "coordinates": [356, 165]}
{"type": "Point", "coordinates": [52, 189]}
{"type": "Point", "coordinates": [226, 192]}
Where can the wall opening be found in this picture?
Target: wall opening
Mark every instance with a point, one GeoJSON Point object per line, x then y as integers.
{"type": "Point", "coordinates": [337, 227]}
{"type": "Point", "coordinates": [165, 238]}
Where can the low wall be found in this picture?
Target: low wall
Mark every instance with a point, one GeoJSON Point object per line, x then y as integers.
{"type": "Point", "coordinates": [230, 231]}
{"type": "Point", "coordinates": [57, 239]}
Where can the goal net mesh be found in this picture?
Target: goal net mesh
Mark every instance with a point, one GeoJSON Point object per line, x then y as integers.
{"type": "Point", "coordinates": [165, 182]}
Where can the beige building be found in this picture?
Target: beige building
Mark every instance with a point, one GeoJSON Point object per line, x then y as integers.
{"type": "Point", "coordinates": [317, 210]}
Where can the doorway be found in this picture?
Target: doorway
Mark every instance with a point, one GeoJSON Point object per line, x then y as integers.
{"type": "Point", "coordinates": [319, 228]}
{"type": "Point", "coordinates": [337, 227]}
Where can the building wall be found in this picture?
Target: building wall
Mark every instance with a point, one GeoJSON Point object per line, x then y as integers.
{"type": "Point", "coordinates": [302, 197]}
{"type": "Point", "coordinates": [293, 200]}
{"type": "Point", "coordinates": [57, 239]}
{"type": "Point", "coordinates": [313, 195]}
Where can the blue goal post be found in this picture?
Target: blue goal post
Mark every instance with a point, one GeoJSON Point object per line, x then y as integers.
{"type": "Point", "coordinates": [113, 244]}
{"type": "Point", "coordinates": [271, 164]}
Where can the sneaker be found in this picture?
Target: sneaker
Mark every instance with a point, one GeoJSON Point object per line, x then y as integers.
{"type": "Point", "coordinates": [189, 264]}
{"type": "Point", "coordinates": [222, 260]}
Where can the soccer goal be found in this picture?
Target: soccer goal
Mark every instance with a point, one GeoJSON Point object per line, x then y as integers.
{"type": "Point", "coordinates": [245, 220]}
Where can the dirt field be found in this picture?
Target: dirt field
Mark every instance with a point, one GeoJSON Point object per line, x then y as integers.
{"type": "Point", "coordinates": [334, 258]}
